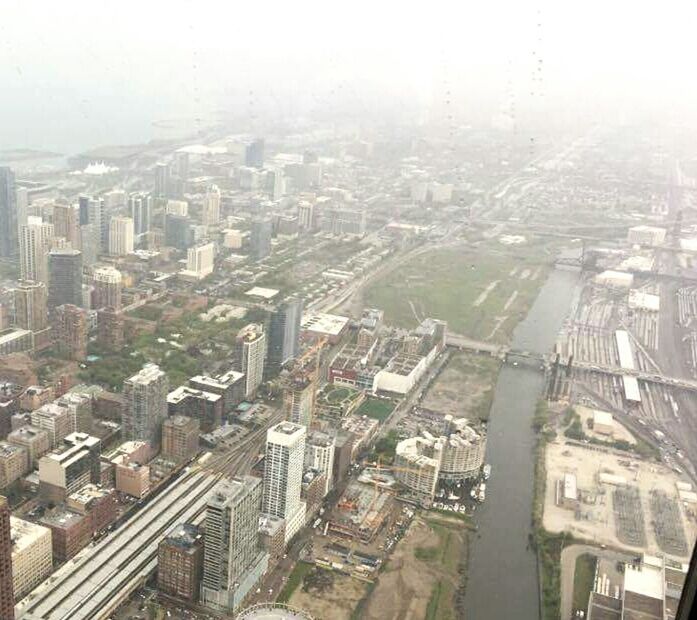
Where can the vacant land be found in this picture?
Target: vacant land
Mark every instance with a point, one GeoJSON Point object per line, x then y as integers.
{"type": "Point", "coordinates": [336, 601]}
{"type": "Point", "coordinates": [482, 292]}
{"type": "Point", "coordinates": [465, 387]}
{"type": "Point", "coordinates": [422, 577]}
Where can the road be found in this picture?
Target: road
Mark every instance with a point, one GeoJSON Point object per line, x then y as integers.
{"type": "Point", "coordinates": [568, 568]}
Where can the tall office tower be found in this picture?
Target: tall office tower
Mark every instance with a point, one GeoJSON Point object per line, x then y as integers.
{"type": "Point", "coordinates": [275, 184]}
{"type": "Point", "coordinates": [140, 206]}
{"type": "Point", "coordinates": [211, 207]}
{"type": "Point", "coordinates": [71, 332]}
{"type": "Point", "coordinates": [250, 353]}
{"type": "Point", "coordinates": [91, 243]}
{"type": "Point", "coordinates": [22, 197]}
{"type": "Point", "coordinates": [34, 245]}
{"type": "Point", "coordinates": [83, 205]}
{"type": "Point", "coordinates": [307, 217]}
{"type": "Point", "coordinates": [64, 278]}
{"type": "Point", "coordinates": [299, 397]}
{"type": "Point", "coordinates": [260, 238]}
{"type": "Point", "coordinates": [145, 410]}
{"type": "Point", "coordinates": [121, 236]}
{"type": "Point", "coordinates": [9, 245]}
{"type": "Point", "coordinates": [110, 328]}
{"type": "Point", "coordinates": [319, 455]}
{"type": "Point", "coordinates": [97, 217]}
{"type": "Point", "coordinates": [31, 306]}
{"type": "Point", "coordinates": [66, 224]}
{"type": "Point", "coordinates": [181, 165]}
{"type": "Point", "coordinates": [178, 231]}
{"type": "Point", "coordinates": [161, 180]}
{"type": "Point", "coordinates": [284, 333]}
{"type": "Point", "coordinates": [283, 473]}
{"type": "Point", "coordinates": [200, 260]}
{"type": "Point", "coordinates": [233, 561]}
{"type": "Point", "coordinates": [180, 438]}
{"type": "Point", "coordinates": [7, 598]}
{"type": "Point", "coordinates": [177, 207]}
{"type": "Point", "coordinates": [107, 288]}
{"type": "Point", "coordinates": [254, 154]}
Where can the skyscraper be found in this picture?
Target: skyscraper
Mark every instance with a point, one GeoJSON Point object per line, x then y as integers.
{"type": "Point", "coordinates": [65, 278]}
{"type": "Point", "coordinates": [260, 238]}
{"type": "Point", "coordinates": [284, 332]}
{"type": "Point", "coordinates": [250, 353]}
{"type": "Point", "coordinates": [319, 455]}
{"type": "Point", "coordinates": [211, 207]}
{"type": "Point", "coordinates": [145, 408]}
{"type": "Point", "coordinates": [232, 560]}
{"type": "Point", "coordinates": [34, 245]}
{"type": "Point", "coordinates": [9, 247]}
{"type": "Point", "coordinates": [121, 237]}
{"type": "Point", "coordinates": [283, 472]}
{"type": "Point", "coordinates": [66, 224]}
{"type": "Point", "coordinates": [162, 180]}
{"type": "Point", "coordinates": [200, 260]}
{"type": "Point", "coordinates": [178, 231]}
{"type": "Point", "coordinates": [31, 306]}
{"type": "Point", "coordinates": [7, 598]}
{"type": "Point", "coordinates": [254, 154]}
{"type": "Point", "coordinates": [299, 397]}
{"type": "Point", "coordinates": [140, 206]}
{"type": "Point", "coordinates": [71, 331]}
{"type": "Point", "coordinates": [107, 288]}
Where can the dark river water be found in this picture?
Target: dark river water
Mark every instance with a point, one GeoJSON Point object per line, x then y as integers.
{"type": "Point", "coordinates": [502, 575]}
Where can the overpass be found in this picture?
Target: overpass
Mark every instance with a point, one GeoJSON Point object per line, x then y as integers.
{"type": "Point", "coordinates": [649, 377]}
{"type": "Point", "coordinates": [502, 351]}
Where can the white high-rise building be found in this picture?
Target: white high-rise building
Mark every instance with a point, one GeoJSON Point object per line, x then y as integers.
{"type": "Point", "coordinates": [233, 561]}
{"type": "Point", "coordinates": [178, 207]}
{"type": "Point", "coordinates": [107, 288]}
{"type": "Point", "coordinates": [211, 207]}
{"type": "Point", "coordinates": [145, 410]}
{"type": "Point", "coordinates": [200, 260]}
{"type": "Point", "coordinates": [121, 236]}
{"type": "Point", "coordinates": [319, 454]}
{"type": "Point", "coordinates": [34, 246]}
{"type": "Point", "coordinates": [250, 353]}
{"type": "Point", "coordinates": [283, 472]}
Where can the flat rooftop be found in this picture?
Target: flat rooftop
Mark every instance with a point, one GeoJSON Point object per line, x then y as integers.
{"type": "Point", "coordinates": [264, 293]}
{"type": "Point", "coordinates": [321, 323]}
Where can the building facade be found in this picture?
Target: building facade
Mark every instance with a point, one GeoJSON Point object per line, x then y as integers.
{"type": "Point", "coordinates": [145, 394]}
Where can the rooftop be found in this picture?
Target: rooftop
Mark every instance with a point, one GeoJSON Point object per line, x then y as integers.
{"type": "Point", "coordinates": [260, 291]}
{"type": "Point", "coordinates": [321, 323]}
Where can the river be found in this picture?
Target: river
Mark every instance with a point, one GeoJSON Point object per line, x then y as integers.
{"type": "Point", "coordinates": [502, 575]}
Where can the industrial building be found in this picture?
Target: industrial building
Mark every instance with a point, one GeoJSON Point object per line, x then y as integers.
{"type": "Point", "coordinates": [646, 235]}
{"type": "Point", "coordinates": [32, 556]}
{"type": "Point", "coordinates": [70, 532]}
{"type": "Point", "coordinates": [180, 562]}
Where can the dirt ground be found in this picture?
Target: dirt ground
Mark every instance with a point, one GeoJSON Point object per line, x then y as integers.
{"type": "Point", "coordinates": [337, 603]}
{"type": "Point", "coordinates": [597, 522]}
{"type": "Point", "coordinates": [406, 585]}
{"type": "Point", "coordinates": [465, 386]}
{"type": "Point", "coordinates": [619, 431]}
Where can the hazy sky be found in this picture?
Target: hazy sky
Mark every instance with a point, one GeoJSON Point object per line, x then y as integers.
{"type": "Point", "coordinates": [100, 64]}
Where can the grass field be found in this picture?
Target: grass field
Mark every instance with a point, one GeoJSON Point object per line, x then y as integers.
{"type": "Point", "coordinates": [482, 292]}
{"type": "Point", "coordinates": [295, 579]}
{"type": "Point", "coordinates": [337, 394]}
{"type": "Point", "coordinates": [376, 408]}
{"type": "Point", "coordinates": [440, 604]}
{"type": "Point", "coordinates": [584, 576]}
